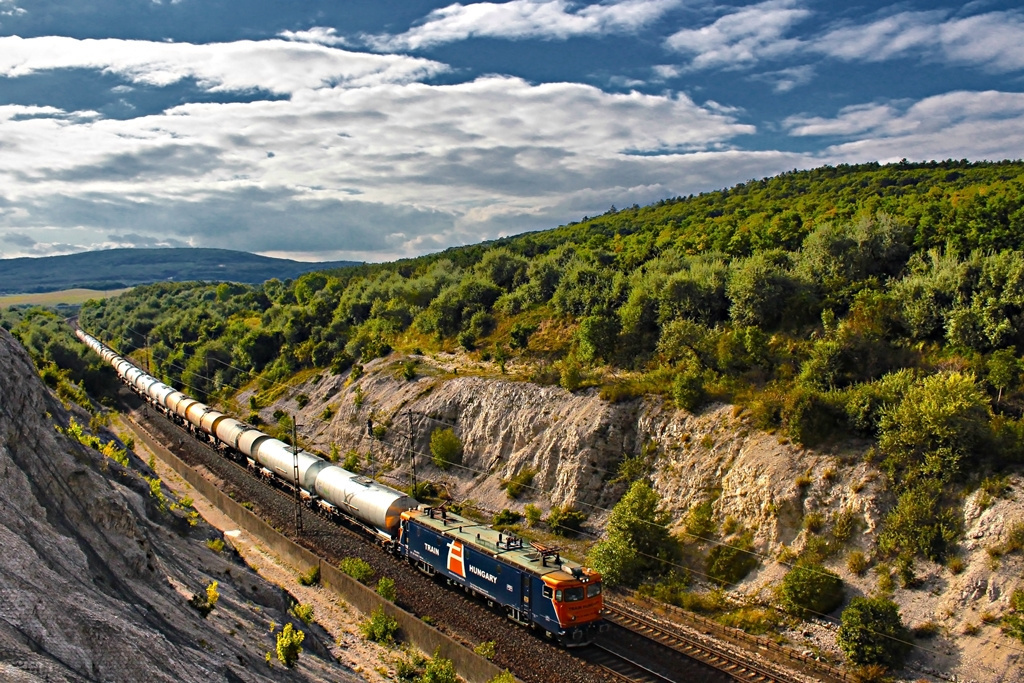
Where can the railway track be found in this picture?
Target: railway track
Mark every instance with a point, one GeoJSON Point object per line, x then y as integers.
{"type": "Point", "coordinates": [717, 656]}
{"type": "Point", "coordinates": [679, 659]}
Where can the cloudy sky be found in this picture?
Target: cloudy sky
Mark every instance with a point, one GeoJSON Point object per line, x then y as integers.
{"type": "Point", "coordinates": [374, 129]}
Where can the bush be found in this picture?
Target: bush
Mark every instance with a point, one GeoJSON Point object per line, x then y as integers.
{"type": "Point", "coordinates": [507, 518]}
{"type": "Point", "coordinates": [485, 649]}
{"type": "Point", "coordinates": [872, 632]}
{"type": "Point", "coordinates": [215, 544]}
{"type": "Point", "coordinates": [504, 677]}
{"type": "Point", "coordinates": [311, 577]}
{"type": "Point", "coordinates": [386, 589]}
{"type": "Point", "coordinates": [857, 562]}
{"type": "Point", "coordinates": [521, 480]}
{"type": "Point", "coordinates": [688, 390]}
{"type": "Point", "coordinates": [303, 612]}
{"type": "Point", "coordinates": [638, 541]}
{"type": "Point", "coordinates": [729, 564]}
{"type": "Point", "coordinates": [357, 568]}
{"type": "Point", "coordinates": [566, 521]}
{"type": "Point", "coordinates": [379, 628]}
{"type": "Point", "coordinates": [446, 448]}
{"type": "Point", "coordinates": [289, 645]}
{"type": "Point", "coordinates": [533, 514]}
{"type": "Point", "coordinates": [811, 589]}
{"type": "Point", "coordinates": [351, 462]}
{"type": "Point", "coordinates": [700, 520]}
{"type": "Point", "coordinates": [439, 670]}
{"type": "Point", "coordinates": [302, 400]}
{"type": "Point", "coordinates": [204, 602]}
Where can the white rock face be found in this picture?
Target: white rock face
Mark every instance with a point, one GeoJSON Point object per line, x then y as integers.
{"type": "Point", "coordinates": [94, 583]}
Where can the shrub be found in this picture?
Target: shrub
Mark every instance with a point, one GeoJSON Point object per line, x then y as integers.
{"type": "Point", "coordinates": [311, 577]}
{"type": "Point", "coordinates": [303, 612]}
{"type": "Point", "coordinates": [289, 645]}
{"type": "Point", "coordinates": [956, 564]}
{"type": "Point", "coordinates": [814, 522]}
{"type": "Point", "coordinates": [204, 602]}
{"type": "Point", "coordinates": [811, 589]}
{"type": "Point", "coordinates": [688, 390]}
{"type": "Point", "coordinates": [379, 628]}
{"type": "Point", "coordinates": [409, 370]}
{"type": "Point", "coordinates": [700, 521]}
{"type": "Point", "coordinates": [504, 677]}
{"type": "Point", "coordinates": [857, 562]}
{"type": "Point", "coordinates": [520, 481]}
{"type": "Point", "coordinates": [507, 518]}
{"type": "Point", "coordinates": [485, 649]}
{"type": "Point", "coordinates": [756, 620]}
{"type": "Point", "coordinates": [215, 544]}
{"type": "Point", "coordinates": [566, 521]}
{"type": "Point", "coordinates": [351, 462]}
{"type": "Point", "coordinates": [439, 670]}
{"type": "Point", "coordinates": [638, 540]}
{"type": "Point", "coordinates": [386, 589]}
{"type": "Point", "coordinates": [872, 632]}
{"type": "Point", "coordinates": [302, 400]}
{"type": "Point", "coordinates": [533, 514]}
{"type": "Point", "coordinates": [446, 448]}
{"type": "Point", "coordinates": [729, 564]}
{"type": "Point", "coordinates": [357, 568]}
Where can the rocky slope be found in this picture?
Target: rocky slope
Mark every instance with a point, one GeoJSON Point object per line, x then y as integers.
{"type": "Point", "coordinates": [95, 578]}
{"type": "Point", "coordinates": [575, 443]}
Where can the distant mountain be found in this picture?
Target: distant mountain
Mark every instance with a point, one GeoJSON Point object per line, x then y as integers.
{"type": "Point", "coordinates": [118, 268]}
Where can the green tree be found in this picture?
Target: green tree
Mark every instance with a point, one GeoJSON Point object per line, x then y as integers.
{"type": "Point", "coordinates": [1003, 370]}
{"type": "Point", "coordinates": [872, 632]}
{"type": "Point", "coordinates": [940, 423]}
{"type": "Point", "coordinates": [445, 447]}
{"type": "Point", "coordinates": [811, 589]}
{"type": "Point", "coordinates": [638, 541]}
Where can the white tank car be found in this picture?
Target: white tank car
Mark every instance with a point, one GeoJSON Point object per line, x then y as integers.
{"type": "Point", "coordinates": [277, 457]}
{"type": "Point", "coordinates": [363, 498]}
{"type": "Point", "coordinates": [370, 502]}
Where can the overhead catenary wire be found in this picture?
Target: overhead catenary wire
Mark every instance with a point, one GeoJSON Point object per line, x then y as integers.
{"type": "Point", "coordinates": [674, 565]}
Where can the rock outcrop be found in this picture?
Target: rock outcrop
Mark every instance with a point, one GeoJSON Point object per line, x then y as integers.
{"type": "Point", "coordinates": [94, 580]}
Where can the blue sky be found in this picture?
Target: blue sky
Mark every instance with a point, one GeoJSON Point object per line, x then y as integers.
{"type": "Point", "coordinates": [374, 130]}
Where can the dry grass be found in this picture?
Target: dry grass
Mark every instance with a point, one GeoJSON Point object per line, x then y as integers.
{"type": "Point", "coordinates": [64, 296]}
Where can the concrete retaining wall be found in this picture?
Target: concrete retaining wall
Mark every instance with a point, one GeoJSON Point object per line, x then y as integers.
{"type": "Point", "coordinates": [468, 664]}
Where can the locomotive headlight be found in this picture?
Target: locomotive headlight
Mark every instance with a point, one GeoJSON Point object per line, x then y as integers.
{"type": "Point", "coordinates": [572, 618]}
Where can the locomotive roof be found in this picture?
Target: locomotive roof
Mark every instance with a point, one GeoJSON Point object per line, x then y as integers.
{"type": "Point", "coordinates": [507, 547]}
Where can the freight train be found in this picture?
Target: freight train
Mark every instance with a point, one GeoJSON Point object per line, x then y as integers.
{"type": "Point", "coordinates": [532, 583]}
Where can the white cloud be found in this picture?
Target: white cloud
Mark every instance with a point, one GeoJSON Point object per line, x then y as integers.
{"type": "Point", "coordinates": [960, 124]}
{"type": "Point", "coordinates": [392, 169]}
{"type": "Point", "coordinates": [323, 35]}
{"type": "Point", "coordinates": [519, 19]}
{"type": "Point", "coordinates": [278, 66]}
{"type": "Point", "coordinates": [784, 80]}
{"type": "Point", "coordinates": [994, 40]}
{"type": "Point", "coordinates": [743, 37]}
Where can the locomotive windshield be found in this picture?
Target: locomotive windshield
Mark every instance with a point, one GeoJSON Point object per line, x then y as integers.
{"type": "Point", "coordinates": [569, 594]}
{"type": "Point", "coordinates": [593, 590]}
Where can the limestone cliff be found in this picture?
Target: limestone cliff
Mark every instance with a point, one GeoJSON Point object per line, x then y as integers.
{"type": "Point", "coordinates": [94, 579]}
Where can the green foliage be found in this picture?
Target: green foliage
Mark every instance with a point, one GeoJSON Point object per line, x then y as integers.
{"type": "Point", "coordinates": [379, 627]}
{"type": "Point", "coordinates": [386, 589]}
{"type": "Point", "coordinates": [638, 543]}
{"type": "Point", "coordinates": [507, 518]}
{"type": "Point", "coordinates": [359, 569]}
{"type": "Point", "coordinates": [519, 482]}
{"type": "Point", "coordinates": [439, 670]}
{"type": "Point", "coordinates": [688, 390]}
{"type": "Point", "coordinates": [215, 544]}
{"type": "Point", "coordinates": [811, 590]}
{"type": "Point", "coordinates": [302, 400]}
{"type": "Point", "coordinates": [700, 520]}
{"type": "Point", "coordinates": [485, 649]}
{"type": "Point", "coordinates": [533, 514]}
{"type": "Point", "coordinates": [566, 520]}
{"type": "Point", "coordinates": [1013, 623]}
{"type": "Point", "coordinates": [204, 602]}
{"type": "Point", "coordinates": [351, 461]}
{"type": "Point", "coordinates": [504, 677]}
{"type": "Point", "coordinates": [303, 612]}
{"type": "Point", "coordinates": [729, 564]}
{"type": "Point", "coordinates": [289, 645]}
{"type": "Point", "coordinates": [311, 577]}
{"type": "Point", "coordinates": [872, 632]}
{"type": "Point", "coordinates": [920, 523]}
{"type": "Point", "coordinates": [446, 448]}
